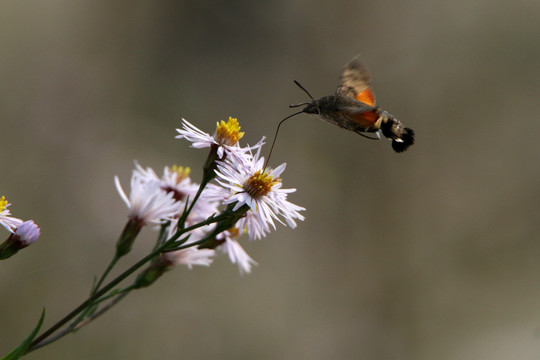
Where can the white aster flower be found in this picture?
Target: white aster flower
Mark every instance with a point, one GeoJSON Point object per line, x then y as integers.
{"type": "Point", "coordinates": [225, 138]}
{"type": "Point", "coordinates": [236, 253]}
{"type": "Point", "coordinates": [147, 202]}
{"type": "Point", "coordinates": [175, 179]}
{"type": "Point", "coordinates": [145, 175]}
{"type": "Point", "coordinates": [250, 184]}
{"type": "Point", "coordinates": [255, 226]}
{"type": "Point", "coordinates": [194, 255]}
{"type": "Point", "coordinates": [6, 220]}
{"type": "Point", "coordinates": [191, 256]}
{"type": "Point", "coordinates": [216, 193]}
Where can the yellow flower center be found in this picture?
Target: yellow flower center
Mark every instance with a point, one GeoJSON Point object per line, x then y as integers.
{"type": "Point", "coordinates": [234, 232]}
{"type": "Point", "coordinates": [181, 172]}
{"type": "Point", "coordinates": [3, 203]}
{"type": "Point", "coordinates": [228, 133]}
{"type": "Point", "coordinates": [260, 184]}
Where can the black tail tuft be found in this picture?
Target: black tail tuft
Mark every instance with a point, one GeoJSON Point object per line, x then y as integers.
{"type": "Point", "coordinates": [405, 140]}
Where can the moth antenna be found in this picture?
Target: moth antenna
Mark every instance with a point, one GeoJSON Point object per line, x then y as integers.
{"type": "Point", "coordinates": [275, 137]}
{"type": "Point", "coordinates": [303, 88]}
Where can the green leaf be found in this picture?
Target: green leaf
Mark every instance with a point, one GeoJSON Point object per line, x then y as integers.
{"type": "Point", "coordinates": [21, 349]}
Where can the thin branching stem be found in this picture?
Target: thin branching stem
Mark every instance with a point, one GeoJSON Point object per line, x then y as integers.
{"type": "Point", "coordinates": [76, 326]}
{"type": "Point", "coordinates": [99, 293]}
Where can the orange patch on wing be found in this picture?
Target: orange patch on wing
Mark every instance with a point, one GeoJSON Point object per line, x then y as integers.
{"type": "Point", "coordinates": [366, 96]}
{"type": "Point", "coordinates": [366, 119]}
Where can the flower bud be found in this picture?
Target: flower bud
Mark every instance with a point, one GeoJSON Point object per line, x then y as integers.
{"type": "Point", "coordinates": [24, 235]}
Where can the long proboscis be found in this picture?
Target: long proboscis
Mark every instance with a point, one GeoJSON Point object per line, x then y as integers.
{"type": "Point", "coordinates": [288, 117]}
{"type": "Point", "coordinates": [276, 135]}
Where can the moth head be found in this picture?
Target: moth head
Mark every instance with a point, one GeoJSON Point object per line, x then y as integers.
{"type": "Point", "coordinates": [311, 107]}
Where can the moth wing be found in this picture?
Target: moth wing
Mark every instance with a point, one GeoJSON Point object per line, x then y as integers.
{"type": "Point", "coordinates": [364, 116]}
{"type": "Point", "coordinates": [355, 83]}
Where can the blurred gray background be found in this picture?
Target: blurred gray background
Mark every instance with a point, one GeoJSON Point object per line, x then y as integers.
{"type": "Point", "coordinates": [430, 254]}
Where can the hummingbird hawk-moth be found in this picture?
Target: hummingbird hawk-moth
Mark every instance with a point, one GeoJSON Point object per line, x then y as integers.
{"type": "Point", "coordinates": [353, 107]}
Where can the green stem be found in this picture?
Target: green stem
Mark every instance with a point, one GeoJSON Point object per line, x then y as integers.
{"type": "Point", "coordinates": [75, 326]}
{"type": "Point", "coordinates": [107, 271]}
{"type": "Point", "coordinates": [208, 174]}
{"type": "Point", "coordinates": [99, 293]}
{"type": "Point", "coordinates": [186, 213]}
{"type": "Point", "coordinates": [124, 246]}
